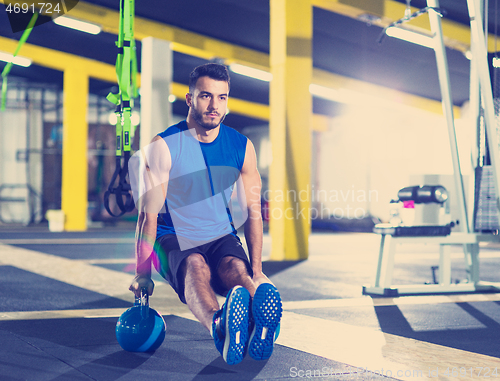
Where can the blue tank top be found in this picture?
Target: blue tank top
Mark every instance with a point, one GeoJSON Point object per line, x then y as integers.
{"type": "Point", "coordinates": [201, 180]}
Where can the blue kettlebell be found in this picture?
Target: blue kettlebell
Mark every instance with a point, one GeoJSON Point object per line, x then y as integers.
{"type": "Point", "coordinates": [140, 328]}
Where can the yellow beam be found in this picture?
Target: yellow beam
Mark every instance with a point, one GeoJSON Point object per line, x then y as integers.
{"type": "Point", "coordinates": [290, 128]}
{"type": "Point", "coordinates": [57, 60]}
{"type": "Point", "coordinates": [277, 129]}
{"type": "Point", "coordinates": [75, 165]}
{"type": "Point", "coordinates": [61, 61]}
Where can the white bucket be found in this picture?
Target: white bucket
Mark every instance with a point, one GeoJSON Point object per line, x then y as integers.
{"type": "Point", "coordinates": [56, 220]}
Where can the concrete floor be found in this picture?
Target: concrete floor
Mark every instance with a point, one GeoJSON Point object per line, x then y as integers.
{"type": "Point", "coordinates": [61, 294]}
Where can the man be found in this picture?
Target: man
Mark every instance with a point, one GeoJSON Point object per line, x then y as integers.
{"type": "Point", "coordinates": [191, 171]}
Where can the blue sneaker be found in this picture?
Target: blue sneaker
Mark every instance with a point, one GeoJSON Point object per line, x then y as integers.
{"type": "Point", "coordinates": [266, 312]}
{"type": "Point", "coordinates": [230, 326]}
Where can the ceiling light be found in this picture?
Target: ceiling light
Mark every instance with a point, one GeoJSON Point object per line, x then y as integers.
{"type": "Point", "coordinates": [172, 98]}
{"type": "Point", "coordinates": [251, 72]}
{"type": "Point", "coordinates": [496, 62]}
{"type": "Point", "coordinates": [410, 36]}
{"type": "Point", "coordinates": [17, 60]}
{"type": "Point", "coordinates": [77, 24]}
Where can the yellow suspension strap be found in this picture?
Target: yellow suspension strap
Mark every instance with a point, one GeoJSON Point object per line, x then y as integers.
{"type": "Point", "coordinates": [126, 71]}
{"type": "Point", "coordinates": [6, 69]}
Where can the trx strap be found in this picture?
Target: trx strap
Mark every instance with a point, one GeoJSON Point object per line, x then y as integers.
{"type": "Point", "coordinates": [126, 71]}
{"type": "Point", "coordinates": [6, 69]}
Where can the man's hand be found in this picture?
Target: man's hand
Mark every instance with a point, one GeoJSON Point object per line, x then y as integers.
{"type": "Point", "coordinates": [140, 282]}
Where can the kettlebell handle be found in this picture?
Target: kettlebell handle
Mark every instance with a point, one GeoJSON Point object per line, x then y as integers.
{"type": "Point", "coordinates": [143, 301]}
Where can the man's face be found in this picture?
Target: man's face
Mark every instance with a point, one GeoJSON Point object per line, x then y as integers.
{"type": "Point", "coordinates": [208, 103]}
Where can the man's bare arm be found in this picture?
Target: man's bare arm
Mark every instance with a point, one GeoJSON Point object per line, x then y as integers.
{"type": "Point", "coordinates": [153, 176]}
{"type": "Point", "coordinates": [253, 226]}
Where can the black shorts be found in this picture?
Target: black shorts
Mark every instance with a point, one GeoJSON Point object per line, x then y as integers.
{"type": "Point", "coordinates": [169, 258]}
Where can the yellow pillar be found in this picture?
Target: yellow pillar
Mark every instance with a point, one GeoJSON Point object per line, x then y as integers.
{"type": "Point", "coordinates": [290, 128]}
{"type": "Point", "coordinates": [74, 162]}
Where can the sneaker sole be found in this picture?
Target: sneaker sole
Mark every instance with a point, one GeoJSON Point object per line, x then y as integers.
{"type": "Point", "coordinates": [237, 316]}
{"type": "Point", "coordinates": [267, 310]}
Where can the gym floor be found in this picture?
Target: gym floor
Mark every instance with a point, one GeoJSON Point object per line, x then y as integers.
{"type": "Point", "coordinates": [61, 295]}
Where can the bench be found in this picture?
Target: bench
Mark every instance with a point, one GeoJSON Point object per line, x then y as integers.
{"type": "Point", "coordinates": [385, 265]}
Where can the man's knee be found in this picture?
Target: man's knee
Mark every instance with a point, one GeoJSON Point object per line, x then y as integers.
{"type": "Point", "coordinates": [195, 263]}
{"type": "Point", "coordinates": [232, 264]}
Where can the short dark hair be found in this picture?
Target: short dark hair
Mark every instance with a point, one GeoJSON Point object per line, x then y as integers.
{"type": "Point", "coordinates": [212, 70]}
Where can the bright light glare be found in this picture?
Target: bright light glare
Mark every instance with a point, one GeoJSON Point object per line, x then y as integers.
{"type": "Point", "coordinates": [135, 118]}
{"type": "Point", "coordinates": [251, 72]}
{"type": "Point", "coordinates": [77, 25]}
{"type": "Point", "coordinates": [172, 98]}
{"type": "Point", "coordinates": [496, 62]}
{"type": "Point", "coordinates": [112, 119]}
{"type": "Point", "coordinates": [325, 93]}
{"type": "Point", "coordinates": [410, 36]}
{"type": "Point", "coordinates": [351, 97]}
{"type": "Point", "coordinates": [17, 60]}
